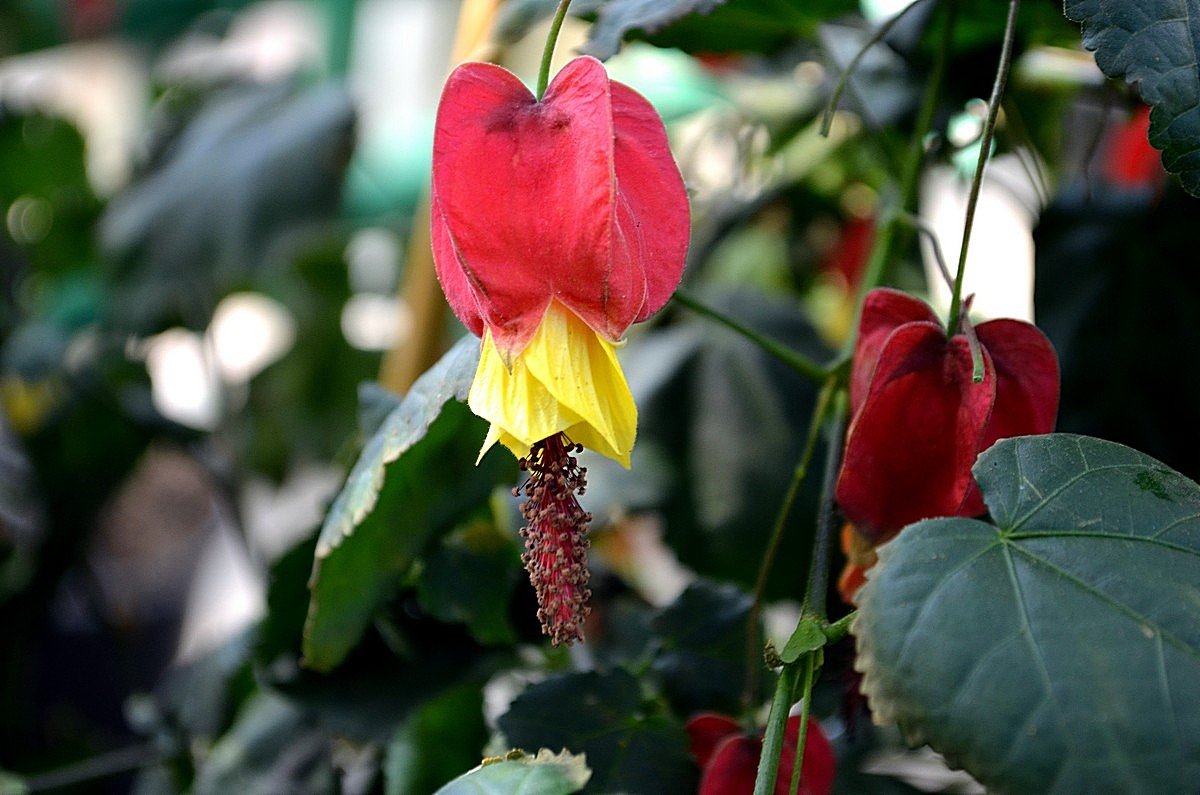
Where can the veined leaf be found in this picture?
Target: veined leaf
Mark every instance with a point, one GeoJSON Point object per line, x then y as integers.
{"type": "Point", "coordinates": [1058, 649]}
{"type": "Point", "coordinates": [1152, 44]}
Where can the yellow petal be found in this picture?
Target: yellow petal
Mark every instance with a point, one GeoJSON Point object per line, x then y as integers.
{"type": "Point", "coordinates": [566, 380]}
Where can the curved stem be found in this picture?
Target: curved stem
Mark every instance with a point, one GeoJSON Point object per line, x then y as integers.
{"type": "Point", "coordinates": [548, 53]}
{"type": "Point", "coordinates": [797, 361]}
{"type": "Point", "coordinates": [881, 252]}
{"type": "Point", "coordinates": [753, 648]}
{"type": "Point", "coordinates": [848, 72]}
{"type": "Point", "coordinates": [985, 147]}
{"type": "Point", "coordinates": [927, 231]}
{"type": "Point", "coordinates": [97, 767]}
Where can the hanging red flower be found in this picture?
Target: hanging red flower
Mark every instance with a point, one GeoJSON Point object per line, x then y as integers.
{"type": "Point", "coordinates": [919, 419]}
{"type": "Point", "coordinates": [556, 224]}
{"type": "Point", "coordinates": [728, 757]}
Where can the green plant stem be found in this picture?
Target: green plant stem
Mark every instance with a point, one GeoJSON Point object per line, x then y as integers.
{"type": "Point", "coordinates": [848, 72]}
{"type": "Point", "coordinates": [781, 702]}
{"type": "Point", "coordinates": [548, 53]}
{"type": "Point", "coordinates": [885, 242]}
{"type": "Point", "coordinates": [810, 670]}
{"type": "Point", "coordinates": [797, 361]}
{"type": "Point", "coordinates": [927, 232]}
{"type": "Point", "coordinates": [840, 628]}
{"type": "Point", "coordinates": [101, 766]}
{"type": "Point", "coordinates": [985, 147]}
{"type": "Point", "coordinates": [818, 573]}
{"type": "Point", "coordinates": [753, 649]}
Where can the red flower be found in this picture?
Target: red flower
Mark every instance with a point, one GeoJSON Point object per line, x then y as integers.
{"type": "Point", "coordinates": [918, 419]}
{"type": "Point", "coordinates": [556, 223]}
{"type": "Point", "coordinates": [574, 198]}
{"type": "Point", "coordinates": [728, 757]}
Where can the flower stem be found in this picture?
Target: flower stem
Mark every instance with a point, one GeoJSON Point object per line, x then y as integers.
{"type": "Point", "coordinates": [781, 702]}
{"type": "Point", "coordinates": [810, 670]}
{"type": "Point", "coordinates": [881, 252]}
{"type": "Point", "coordinates": [753, 647]}
{"type": "Point", "coordinates": [985, 147]}
{"type": "Point", "coordinates": [548, 53]}
{"type": "Point", "coordinates": [797, 361]}
{"type": "Point", "coordinates": [848, 72]}
{"type": "Point", "coordinates": [840, 628]}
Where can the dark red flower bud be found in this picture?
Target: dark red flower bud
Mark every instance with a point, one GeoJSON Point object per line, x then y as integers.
{"type": "Point", "coordinates": [729, 757]}
{"type": "Point", "coordinates": [919, 419]}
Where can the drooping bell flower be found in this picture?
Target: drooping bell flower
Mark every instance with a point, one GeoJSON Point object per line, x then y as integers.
{"type": "Point", "coordinates": [919, 419]}
{"type": "Point", "coordinates": [556, 224]}
{"type": "Point", "coordinates": [728, 757]}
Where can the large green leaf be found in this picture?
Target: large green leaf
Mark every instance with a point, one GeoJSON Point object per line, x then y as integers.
{"type": "Point", "coordinates": [701, 654]}
{"type": "Point", "coordinates": [436, 742]}
{"type": "Point", "coordinates": [225, 198]}
{"type": "Point", "coordinates": [1152, 44]}
{"type": "Point", "coordinates": [470, 579]}
{"type": "Point", "coordinates": [545, 774]}
{"type": "Point", "coordinates": [1057, 650]}
{"type": "Point", "coordinates": [631, 746]}
{"type": "Point", "coordinates": [415, 476]}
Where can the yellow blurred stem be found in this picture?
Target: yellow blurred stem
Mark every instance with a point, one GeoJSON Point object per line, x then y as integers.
{"type": "Point", "coordinates": [420, 291]}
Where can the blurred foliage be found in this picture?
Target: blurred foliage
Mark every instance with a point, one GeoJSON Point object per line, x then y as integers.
{"type": "Point", "coordinates": [1151, 45]}
{"type": "Point", "coordinates": [398, 645]}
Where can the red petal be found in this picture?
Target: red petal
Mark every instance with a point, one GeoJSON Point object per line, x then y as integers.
{"type": "Point", "coordinates": [733, 764]}
{"type": "Point", "coordinates": [1026, 379]}
{"type": "Point", "coordinates": [911, 446]}
{"type": "Point", "coordinates": [1026, 388]}
{"type": "Point", "coordinates": [849, 581]}
{"type": "Point", "coordinates": [732, 768]}
{"type": "Point", "coordinates": [706, 731]}
{"type": "Point", "coordinates": [653, 216]}
{"type": "Point", "coordinates": [884, 311]}
{"type": "Point", "coordinates": [452, 273]}
{"type": "Point", "coordinates": [525, 191]}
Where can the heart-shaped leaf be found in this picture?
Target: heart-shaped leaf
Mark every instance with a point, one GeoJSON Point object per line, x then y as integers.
{"type": "Point", "coordinates": [1152, 44]}
{"type": "Point", "coordinates": [1057, 650]}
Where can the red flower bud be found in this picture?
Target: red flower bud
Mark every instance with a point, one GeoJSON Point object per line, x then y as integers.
{"type": "Point", "coordinates": [728, 757]}
{"type": "Point", "coordinates": [919, 420]}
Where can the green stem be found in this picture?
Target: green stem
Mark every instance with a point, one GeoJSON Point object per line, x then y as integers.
{"type": "Point", "coordinates": [818, 573]}
{"type": "Point", "coordinates": [810, 670]}
{"type": "Point", "coordinates": [844, 79]}
{"type": "Point", "coordinates": [104, 765]}
{"type": "Point", "coordinates": [768, 763]}
{"type": "Point", "coordinates": [548, 52]}
{"type": "Point", "coordinates": [985, 147]}
{"type": "Point", "coordinates": [797, 361]}
{"type": "Point", "coordinates": [927, 231]}
{"type": "Point", "coordinates": [753, 648]}
{"type": "Point", "coordinates": [881, 252]}
{"type": "Point", "coordinates": [840, 628]}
